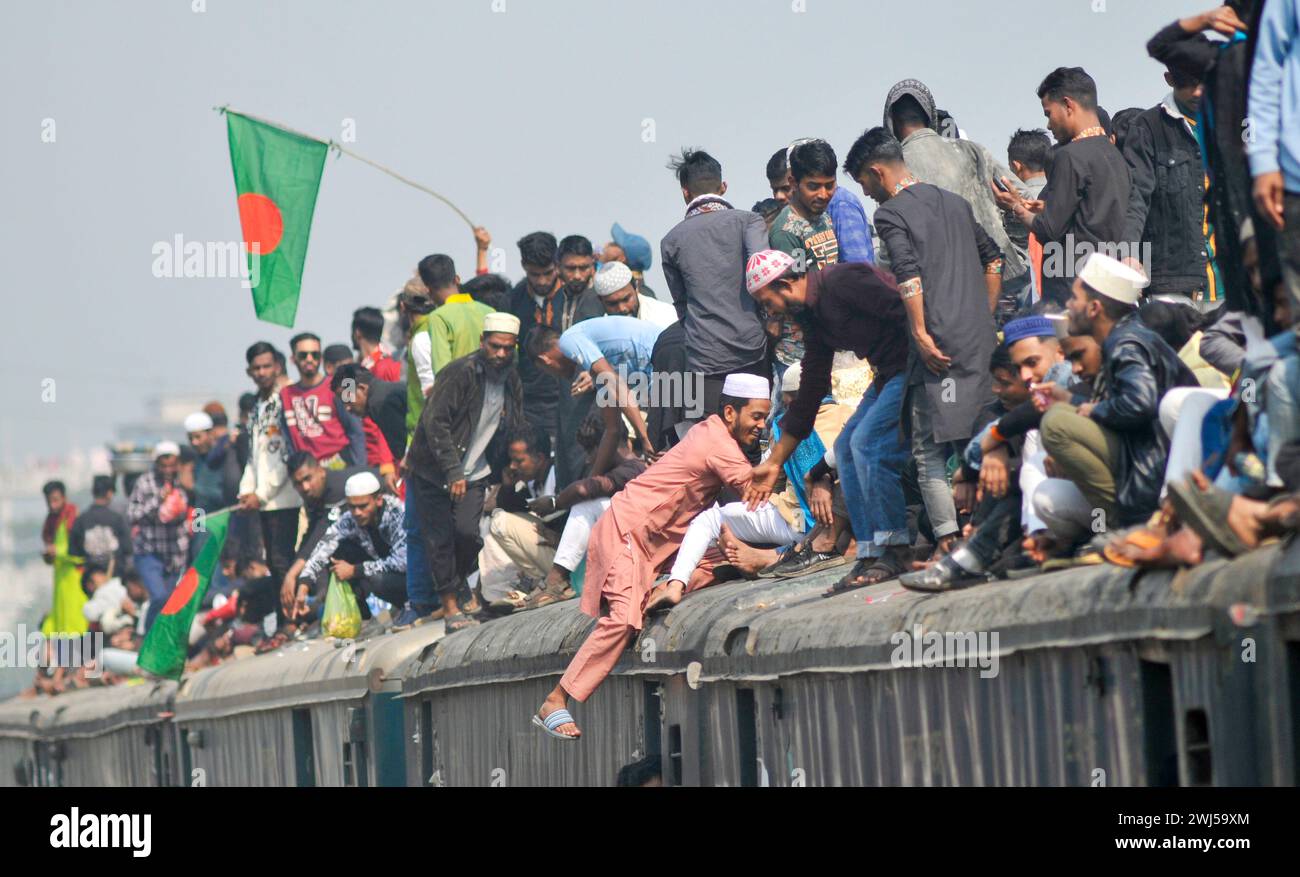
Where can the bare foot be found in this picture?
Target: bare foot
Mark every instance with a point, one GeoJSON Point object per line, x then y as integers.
{"type": "Point", "coordinates": [668, 594]}
{"type": "Point", "coordinates": [745, 557]}
{"type": "Point", "coordinates": [1180, 548]}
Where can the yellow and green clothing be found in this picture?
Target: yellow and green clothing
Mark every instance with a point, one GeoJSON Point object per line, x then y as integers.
{"type": "Point", "coordinates": [456, 328]}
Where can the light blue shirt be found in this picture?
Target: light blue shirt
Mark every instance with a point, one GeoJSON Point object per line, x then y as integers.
{"type": "Point", "coordinates": [623, 342]}
{"type": "Point", "coordinates": [1273, 141]}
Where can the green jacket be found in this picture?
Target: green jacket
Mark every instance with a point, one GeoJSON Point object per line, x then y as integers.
{"type": "Point", "coordinates": [414, 395]}
{"type": "Point", "coordinates": [456, 328]}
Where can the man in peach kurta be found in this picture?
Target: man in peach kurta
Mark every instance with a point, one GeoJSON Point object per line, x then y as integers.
{"type": "Point", "coordinates": [642, 530]}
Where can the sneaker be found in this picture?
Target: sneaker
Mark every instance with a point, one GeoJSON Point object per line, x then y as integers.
{"type": "Point", "coordinates": [411, 617]}
{"type": "Point", "coordinates": [944, 575]}
{"type": "Point", "coordinates": [802, 562]}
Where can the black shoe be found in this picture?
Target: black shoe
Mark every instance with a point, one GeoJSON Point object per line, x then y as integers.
{"type": "Point", "coordinates": [942, 576]}
{"type": "Point", "coordinates": [802, 562]}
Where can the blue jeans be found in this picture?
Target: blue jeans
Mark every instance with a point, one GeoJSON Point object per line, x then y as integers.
{"type": "Point", "coordinates": [158, 581]}
{"type": "Point", "coordinates": [419, 580]}
{"type": "Point", "coordinates": [869, 457]}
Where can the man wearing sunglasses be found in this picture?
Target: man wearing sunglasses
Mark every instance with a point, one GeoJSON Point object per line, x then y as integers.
{"type": "Point", "coordinates": [317, 423]}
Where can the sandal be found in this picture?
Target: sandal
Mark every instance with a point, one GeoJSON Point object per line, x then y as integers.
{"type": "Point", "coordinates": [457, 622]}
{"type": "Point", "coordinates": [1206, 512]}
{"type": "Point", "coordinates": [869, 571]}
{"type": "Point", "coordinates": [547, 596]}
{"type": "Point", "coordinates": [1143, 539]}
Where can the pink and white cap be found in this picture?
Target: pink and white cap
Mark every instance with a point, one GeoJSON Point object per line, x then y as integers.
{"type": "Point", "coordinates": [764, 267]}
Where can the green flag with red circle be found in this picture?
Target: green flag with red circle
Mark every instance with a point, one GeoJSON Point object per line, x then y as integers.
{"type": "Point", "coordinates": [277, 177]}
{"type": "Point", "coordinates": [167, 643]}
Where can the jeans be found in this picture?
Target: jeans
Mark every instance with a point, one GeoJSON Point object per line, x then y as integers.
{"type": "Point", "coordinates": [869, 458]}
{"type": "Point", "coordinates": [158, 581]}
{"type": "Point", "coordinates": [932, 466]}
{"type": "Point", "coordinates": [1282, 393]}
{"type": "Point", "coordinates": [998, 527]}
{"type": "Point", "coordinates": [419, 580]}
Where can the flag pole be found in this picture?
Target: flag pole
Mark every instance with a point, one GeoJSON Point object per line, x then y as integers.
{"type": "Point", "coordinates": [344, 150]}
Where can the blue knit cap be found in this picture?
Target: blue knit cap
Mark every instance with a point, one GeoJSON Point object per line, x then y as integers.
{"type": "Point", "coordinates": [1027, 327]}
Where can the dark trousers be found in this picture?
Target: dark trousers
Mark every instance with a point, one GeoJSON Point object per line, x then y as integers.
{"type": "Point", "coordinates": [449, 529]}
{"type": "Point", "coordinates": [1288, 242]}
{"type": "Point", "coordinates": [279, 535]}
{"type": "Point", "coordinates": [387, 586]}
{"type": "Point", "coordinates": [570, 458]}
{"type": "Point", "coordinates": [713, 387]}
{"type": "Point", "coordinates": [997, 526]}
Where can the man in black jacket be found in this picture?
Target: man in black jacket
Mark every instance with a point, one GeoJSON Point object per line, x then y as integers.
{"type": "Point", "coordinates": [1113, 448]}
{"type": "Point", "coordinates": [1167, 210]}
{"type": "Point", "coordinates": [476, 403]}
{"type": "Point", "coordinates": [100, 534]}
{"type": "Point", "coordinates": [544, 298]}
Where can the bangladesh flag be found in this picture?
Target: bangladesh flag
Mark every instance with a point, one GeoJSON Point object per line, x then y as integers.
{"type": "Point", "coordinates": [277, 176]}
{"type": "Point", "coordinates": [168, 641]}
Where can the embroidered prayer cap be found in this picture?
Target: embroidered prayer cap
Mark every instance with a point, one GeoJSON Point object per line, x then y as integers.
{"type": "Point", "coordinates": [499, 321]}
{"type": "Point", "coordinates": [1027, 327]}
{"type": "Point", "coordinates": [361, 484]}
{"type": "Point", "coordinates": [764, 267]}
{"type": "Point", "coordinates": [790, 380]}
{"type": "Point", "coordinates": [612, 277]}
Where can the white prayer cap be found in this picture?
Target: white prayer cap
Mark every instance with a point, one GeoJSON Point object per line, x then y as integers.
{"type": "Point", "coordinates": [746, 386]}
{"type": "Point", "coordinates": [361, 484]}
{"type": "Point", "coordinates": [166, 449]}
{"type": "Point", "coordinates": [790, 380]}
{"type": "Point", "coordinates": [612, 277]}
{"type": "Point", "coordinates": [198, 422]}
{"type": "Point", "coordinates": [1109, 277]}
{"type": "Point", "coordinates": [498, 321]}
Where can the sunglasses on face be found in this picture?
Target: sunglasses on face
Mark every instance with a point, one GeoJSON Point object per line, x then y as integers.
{"type": "Point", "coordinates": [307, 354]}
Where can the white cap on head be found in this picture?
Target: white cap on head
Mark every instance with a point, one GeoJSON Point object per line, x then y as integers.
{"type": "Point", "coordinates": [1108, 276]}
{"type": "Point", "coordinates": [612, 277]}
{"type": "Point", "coordinates": [499, 321]}
{"type": "Point", "coordinates": [166, 449]}
{"type": "Point", "coordinates": [361, 484]}
{"type": "Point", "coordinates": [790, 380]}
{"type": "Point", "coordinates": [198, 422]}
{"type": "Point", "coordinates": [746, 386]}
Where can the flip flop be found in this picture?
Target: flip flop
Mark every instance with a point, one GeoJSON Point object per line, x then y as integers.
{"type": "Point", "coordinates": [1206, 512]}
{"type": "Point", "coordinates": [1141, 538]}
{"type": "Point", "coordinates": [553, 721]}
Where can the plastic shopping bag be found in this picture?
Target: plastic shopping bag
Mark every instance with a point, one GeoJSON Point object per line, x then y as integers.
{"type": "Point", "coordinates": [342, 618]}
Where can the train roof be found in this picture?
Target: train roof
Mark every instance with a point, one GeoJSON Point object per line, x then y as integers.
{"type": "Point", "coordinates": [310, 671]}
{"type": "Point", "coordinates": [87, 712]}
{"type": "Point", "coordinates": [769, 628]}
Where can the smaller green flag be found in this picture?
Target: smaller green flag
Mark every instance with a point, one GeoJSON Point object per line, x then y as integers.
{"type": "Point", "coordinates": [168, 641]}
{"type": "Point", "coordinates": [277, 176]}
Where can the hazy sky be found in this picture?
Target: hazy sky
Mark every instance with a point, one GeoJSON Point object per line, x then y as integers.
{"type": "Point", "coordinates": [536, 116]}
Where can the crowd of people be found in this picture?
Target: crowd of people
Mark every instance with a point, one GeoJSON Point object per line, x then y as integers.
{"type": "Point", "coordinates": [1081, 352]}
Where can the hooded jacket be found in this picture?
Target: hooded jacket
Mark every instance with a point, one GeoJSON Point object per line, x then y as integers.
{"type": "Point", "coordinates": [960, 166]}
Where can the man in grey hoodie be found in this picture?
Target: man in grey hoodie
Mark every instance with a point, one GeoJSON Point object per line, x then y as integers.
{"type": "Point", "coordinates": [935, 154]}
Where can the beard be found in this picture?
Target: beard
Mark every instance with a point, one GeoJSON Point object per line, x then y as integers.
{"type": "Point", "coordinates": [1080, 324]}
